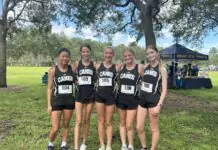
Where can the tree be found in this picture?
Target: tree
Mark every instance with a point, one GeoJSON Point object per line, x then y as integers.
{"type": "Point", "coordinates": [137, 17]}
{"type": "Point", "coordinates": [23, 13]}
{"type": "Point", "coordinates": [213, 52]}
{"type": "Point", "coordinates": [193, 20]}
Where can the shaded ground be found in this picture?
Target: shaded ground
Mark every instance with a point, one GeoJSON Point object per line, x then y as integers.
{"type": "Point", "coordinates": [13, 88]}
{"type": "Point", "coordinates": [181, 102]}
{"type": "Point", "coordinates": [5, 128]}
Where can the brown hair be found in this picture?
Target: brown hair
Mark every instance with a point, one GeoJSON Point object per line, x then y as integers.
{"type": "Point", "coordinates": [152, 47]}
{"type": "Point", "coordinates": [85, 45]}
{"type": "Point", "coordinates": [127, 49]}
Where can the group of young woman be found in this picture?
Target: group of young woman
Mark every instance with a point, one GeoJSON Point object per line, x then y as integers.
{"type": "Point", "coordinates": [133, 88]}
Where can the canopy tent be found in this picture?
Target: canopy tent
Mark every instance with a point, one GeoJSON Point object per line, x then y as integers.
{"type": "Point", "coordinates": [177, 52]}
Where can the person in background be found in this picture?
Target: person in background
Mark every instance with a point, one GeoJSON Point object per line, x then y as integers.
{"type": "Point", "coordinates": [189, 69]}
{"type": "Point", "coordinates": [184, 71]}
{"type": "Point", "coordinates": [195, 70]}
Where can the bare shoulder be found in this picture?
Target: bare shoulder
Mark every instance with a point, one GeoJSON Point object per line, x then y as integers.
{"type": "Point", "coordinates": [51, 71]}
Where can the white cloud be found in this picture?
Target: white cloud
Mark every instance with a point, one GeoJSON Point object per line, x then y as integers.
{"type": "Point", "coordinates": [120, 38]}
{"type": "Point", "coordinates": [166, 32]}
{"type": "Point", "coordinates": [89, 34]}
{"type": "Point", "coordinates": [68, 31]}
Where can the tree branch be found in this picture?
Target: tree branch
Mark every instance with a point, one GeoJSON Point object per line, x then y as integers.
{"type": "Point", "coordinates": [131, 20]}
{"type": "Point", "coordinates": [19, 14]}
{"type": "Point", "coordinates": [138, 4]}
{"type": "Point", "coordinates": [120, 5]}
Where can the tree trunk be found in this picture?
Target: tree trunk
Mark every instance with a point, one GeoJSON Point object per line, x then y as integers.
{"type": "Point", "coordinates": [3, 80]}
{"type": "Point", "coordinates": [148, 26]}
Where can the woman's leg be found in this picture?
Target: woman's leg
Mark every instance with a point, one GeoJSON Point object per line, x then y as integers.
{"type": "Point", "coordinates": [141, 116]}
{"type": "Point", "coordinates": [122, 125]}
{"type": "Point", "coordinates": [130, 118]}
{"type": "Point", "coordinates": [88, 111]}
{"type": "Point", "coordinates": [100, 107]}
{"type": "Point", "coordinates": [109, 122]}
{"type": "Point", "coordinates": [154, 118]}
{"type": "Point", "coordinates": [66, 121]}
{"type": "Point", "coordinates": [78, 123]}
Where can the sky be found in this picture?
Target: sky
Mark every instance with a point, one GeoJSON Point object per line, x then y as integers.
{"type": "Point", "coordinates": [167, 40]}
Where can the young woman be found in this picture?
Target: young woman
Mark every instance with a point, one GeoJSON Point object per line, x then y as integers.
{"type": "Point", "coordinates": [151, 98]}
{"type": "Point", "coordinates": [105, 96]}
{"type": "Point", "coordinates": [85, 95]}
{"type": "Point", "coordinates": [60, 97]}
{"type": "Point", "coordinates": [127, 101]}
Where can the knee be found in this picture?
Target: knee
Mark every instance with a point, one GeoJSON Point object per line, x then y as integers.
{"type": "Point", "coordinates": [109, 123]}
{"type": "Point", "coordinates": [155, 128]}
{"type": "Point", "coordinates": [101, 120]}
{"type": "Point", "coordinates": [122, 123]}
{"type": "Point", "coordinates": [66, 125]}
{"type": "Point", "coordinates": [140, 129]}
{"type": "Point", "coordinates": [55, 128]}
{"type": "Point", "coordinates": [129, 127]}
{"type": "Point", "coordinates": [78, 122]}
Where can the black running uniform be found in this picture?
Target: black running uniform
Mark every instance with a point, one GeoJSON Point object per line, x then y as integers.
{"type": "Point", "coordinates": [150, 95]}
{"type": "Point", "coordinates": [85, 88]}
{"type": "Point", "coordinates": [128, 88]}
{"type": "Point", "coordinates": [105, 92]}
{"type": "Point", "coordinates": [62, 94]}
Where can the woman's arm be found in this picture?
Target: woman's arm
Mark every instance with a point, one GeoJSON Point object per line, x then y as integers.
{"type": "Point", "coordinates": [164, 85]}
{"type": "Point", "coordinates": [141, 69]}
{"type": "Point", "coordinates": [50, 87]}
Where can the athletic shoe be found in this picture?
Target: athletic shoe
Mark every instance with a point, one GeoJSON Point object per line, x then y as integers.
{"type": "Point", "coordinates": [64, 148]}
{"type": "Point", "coordinates": [142, 148]}
{"type": "Point", "coordinates": [102, 147]}
{"type": "Point", "coordinates": [124, 148]}
{"type": "Point", "coordinates": [83, 147]}
{"type": "Point", "coordinates": [108, 148]}
{"type": "Point", "coordinates": [131, 148]}
{"type": "Point", "coordinates": [50, 148]}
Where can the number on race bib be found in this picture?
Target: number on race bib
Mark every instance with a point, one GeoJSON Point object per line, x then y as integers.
{"type": "Point", "coordinates": [147, 87]}
{"type": "Point", "coordinates": [84, 80]}
{"type": "Point", "coordinates": [127, 89]}
{"type": "Point", "coordinates": [65, 89]}
{"type": "Point", "coordinates": [105, 82]}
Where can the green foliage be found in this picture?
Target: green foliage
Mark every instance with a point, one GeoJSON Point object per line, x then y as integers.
{"type": "Point", "coordinates": [32, 48]}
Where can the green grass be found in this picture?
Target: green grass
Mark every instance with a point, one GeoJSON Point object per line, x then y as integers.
{"type": "Point", "coordinates": [209, 95]}
{"type": "Point", "coordinates": [180, 129]}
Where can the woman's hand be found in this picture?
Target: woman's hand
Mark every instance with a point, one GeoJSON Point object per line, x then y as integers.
{"type": "Point", "coordinates": [49, 110]}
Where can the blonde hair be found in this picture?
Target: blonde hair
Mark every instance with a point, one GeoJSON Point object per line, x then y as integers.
{"type": "Point", "coordinates": [127, 49]}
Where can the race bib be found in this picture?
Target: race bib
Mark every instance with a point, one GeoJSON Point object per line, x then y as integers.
{"type": "Point", "coordinates": [147, 87]}
{"type": "Point", "coordinates": [127, 89]}
{"type": "Point", "coordinates": [65, 89]}
{"type": "Point", "coordinates": [105, 82]}
{"type": "Point", "coordinates": [84, 80]}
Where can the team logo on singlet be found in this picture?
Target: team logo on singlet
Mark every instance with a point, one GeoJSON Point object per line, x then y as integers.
{"type": "Point", "coordinates": [127, 76]}
{"type": "Point", "coordinates": [65, 78]}
{"type": "Point", "coordinates": [86, 72]}
{"type": "Point", "coordinates": [150, 72]}
{"type": "Point", "coordinates": [106, 74]}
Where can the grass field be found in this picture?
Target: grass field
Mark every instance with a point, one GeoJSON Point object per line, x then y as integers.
{"type": "Point", "coordinates": [188, 120]}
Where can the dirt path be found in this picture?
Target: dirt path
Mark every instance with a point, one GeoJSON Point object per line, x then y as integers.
{"type": "Point", "coordinates": [13, 88]}
{"type": "Point", "coordinates": [181, 102]}
{"type": "Point", "coordinates": [5, 128]}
